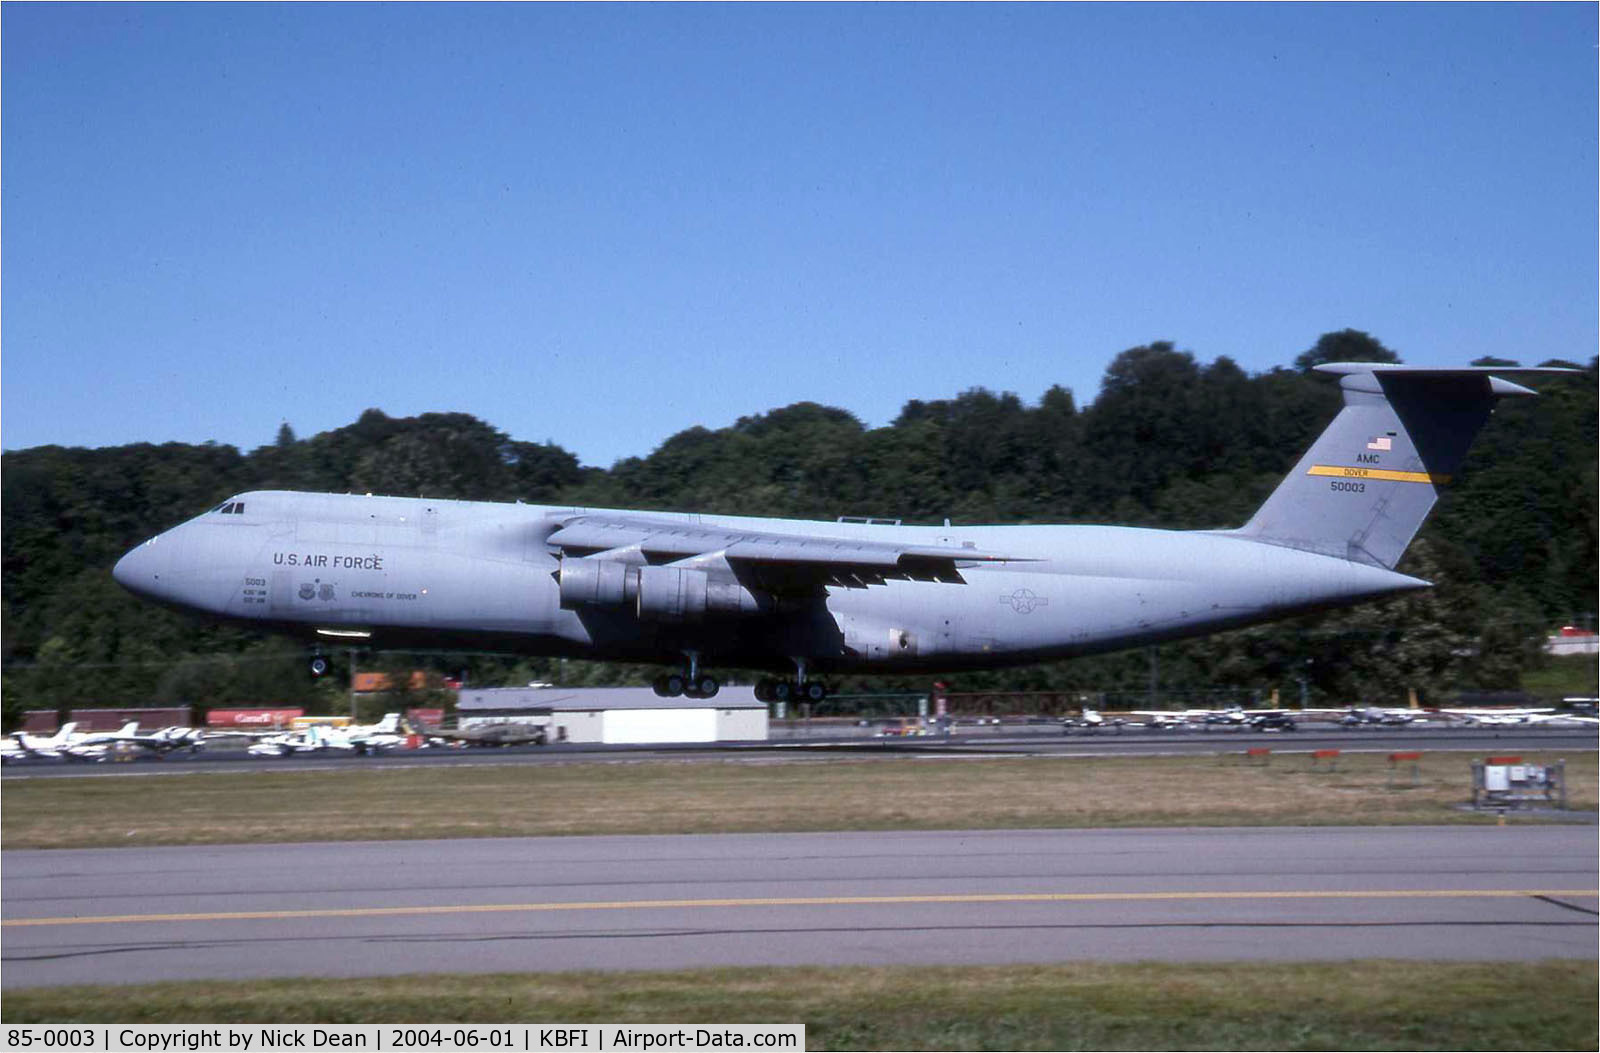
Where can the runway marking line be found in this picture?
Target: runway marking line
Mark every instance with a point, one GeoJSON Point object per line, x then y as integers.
{"type": "Point", "coordinates": [797, 901]}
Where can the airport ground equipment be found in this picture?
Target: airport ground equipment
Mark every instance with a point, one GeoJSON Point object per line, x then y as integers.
{"type": "Point", "coordinates": [1504, 782]}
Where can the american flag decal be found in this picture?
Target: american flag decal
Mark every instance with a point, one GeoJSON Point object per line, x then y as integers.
{"type": "Point", "coordinates": [1382, 442]}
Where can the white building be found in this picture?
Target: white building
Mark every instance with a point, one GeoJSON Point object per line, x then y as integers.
{"type": "Point", "coordinates": [617, 715]}
{"type": "Point", "coordinates": [1572, 642]}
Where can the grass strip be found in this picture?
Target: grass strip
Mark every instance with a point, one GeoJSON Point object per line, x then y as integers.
{"type": "Point", "coordinates": [1139, 1006]}
{"type": "Point", "coordinates": [611, 797]}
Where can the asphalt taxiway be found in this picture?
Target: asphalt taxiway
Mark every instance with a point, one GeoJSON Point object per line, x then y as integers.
{"type": "Point", "coordinates": [531, 904]}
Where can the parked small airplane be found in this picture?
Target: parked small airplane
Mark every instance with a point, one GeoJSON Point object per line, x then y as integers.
{"type": "Point", "coordinates": [1272, 720]}
{"type": "Point", "coordinates": [93, 745]}
{"type": "Point", "coordinates": [1581, 706]}
{"type": "Point", "coordinates": [510, 733]}
{"type": "Point", "coordinates": [163, 741]}
{"type": "Point", "coordinates": [70, 744]}
{"type": "Point", "coordinates": [1359, 716]}
{"type": "Point", "coordinates": [819, 597]}
{"type": "Point", "coordinates": [1232, 716]}
{"type": "Point", "coordinates": [1565, 719]}
{"type": "Point", "coordinates": [386, 734]}
{"type": "Point", "coordinates": [320, 738]}
{"type": "Point", "coordinates": [1482, 717]}
{"type": "Point", "coordinates": [288, 743]}
{"type": "Point", "coordinates": [176, 737]}
{"type": "Point", "coordinates": [1092, 720]}
{"type": "Point", "coordinates": [1164, 720]}
{"type": "Point", "coordinates": [63, 744]}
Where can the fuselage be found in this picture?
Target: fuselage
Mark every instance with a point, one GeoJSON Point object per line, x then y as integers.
{"type": "Point", "coordinates": [413, 572]}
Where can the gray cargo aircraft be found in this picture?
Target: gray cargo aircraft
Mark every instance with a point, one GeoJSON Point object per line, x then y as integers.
{"type": "Point", "coordinates": [827, 597]}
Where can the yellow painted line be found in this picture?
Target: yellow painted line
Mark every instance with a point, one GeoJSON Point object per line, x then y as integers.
{"type": "Point", "coordinates": [1388, 474]}
{"type": "Point", "coordinates": [800, 901]}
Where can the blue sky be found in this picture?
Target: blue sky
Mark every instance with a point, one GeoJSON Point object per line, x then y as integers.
{"type": "Point", "coordinates": [600, 225]}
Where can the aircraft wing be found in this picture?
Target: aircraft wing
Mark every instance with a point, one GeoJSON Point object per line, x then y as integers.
{"type": "Point", "coordinates": [1496, 716]}
{"type": "Point", "coordinates": [773, 559]}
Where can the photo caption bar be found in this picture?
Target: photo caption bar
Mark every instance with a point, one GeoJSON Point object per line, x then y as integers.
{"type": "Point", "coordinates": [527, 1038]}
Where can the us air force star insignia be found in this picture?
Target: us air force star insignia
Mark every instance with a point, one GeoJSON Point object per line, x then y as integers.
{"type": "Point", "coordinates": [1023, 601]}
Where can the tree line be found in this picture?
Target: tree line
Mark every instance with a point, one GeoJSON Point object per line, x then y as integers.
{"type": "Point", "coordinates": [1169, 441]}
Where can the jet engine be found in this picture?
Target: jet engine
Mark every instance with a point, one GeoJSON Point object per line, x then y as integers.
{"type": "Point", "coordinates": [669, 594]}
{"type": "Point", "coordinates": [602, 582]}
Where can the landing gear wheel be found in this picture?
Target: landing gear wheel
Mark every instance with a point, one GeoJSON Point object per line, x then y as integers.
{"type": "Point", "coordinates": [814, 690]}
{"type": "Point", "coordinates": [763, 690]}
{"type": "Point", "coordinates": [674, 684]}
{"type": "Point", "coordinates": [783, 691]}
{"type": "Point", "coordinates": [319, 665]}
{"type": "Point", "coordinates": [706, 687]}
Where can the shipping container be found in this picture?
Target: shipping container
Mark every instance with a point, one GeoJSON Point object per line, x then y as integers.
{"type": "Point", "coordinates": [149, 719]}
{"type": "Point", "coordinates": [40, 721]}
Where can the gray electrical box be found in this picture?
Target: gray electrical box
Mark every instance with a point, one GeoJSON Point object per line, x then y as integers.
{"type": "Point", "coordinates": [1506, 782]}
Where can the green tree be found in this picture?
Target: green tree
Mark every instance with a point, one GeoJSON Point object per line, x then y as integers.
{"type": "Point", "coordinates": [1346, 345]}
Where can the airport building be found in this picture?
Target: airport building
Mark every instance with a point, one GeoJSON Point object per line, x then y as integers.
{"type": "Point", "coordinates": [619, 715]}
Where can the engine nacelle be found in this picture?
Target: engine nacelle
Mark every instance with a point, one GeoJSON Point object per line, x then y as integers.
{"type": "Point", "coordinates": [602, 582]}
{"type": "Point", "coordinates": [669, 594]}
{"type": "Point", "coordinates": [673, 594]}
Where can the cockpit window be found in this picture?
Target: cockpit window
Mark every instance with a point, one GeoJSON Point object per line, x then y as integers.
{"type": "Point", "coordinates": [232, 508]}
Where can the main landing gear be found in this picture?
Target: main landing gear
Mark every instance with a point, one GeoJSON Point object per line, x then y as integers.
{"type": "Point", "coordinates": [691, 683]}
{"type": "Point", "coordinates": [800, 689]}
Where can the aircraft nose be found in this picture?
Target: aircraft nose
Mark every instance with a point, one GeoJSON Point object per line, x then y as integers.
{"type": "Point", "coordinates": [139, 571]}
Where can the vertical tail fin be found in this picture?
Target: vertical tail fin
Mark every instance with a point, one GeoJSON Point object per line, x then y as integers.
{"type": "Point", "coordinates": [1363, 489]}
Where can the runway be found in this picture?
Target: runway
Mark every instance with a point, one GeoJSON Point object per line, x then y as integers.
{"type": "Point", "coordinates": [534, 904]}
